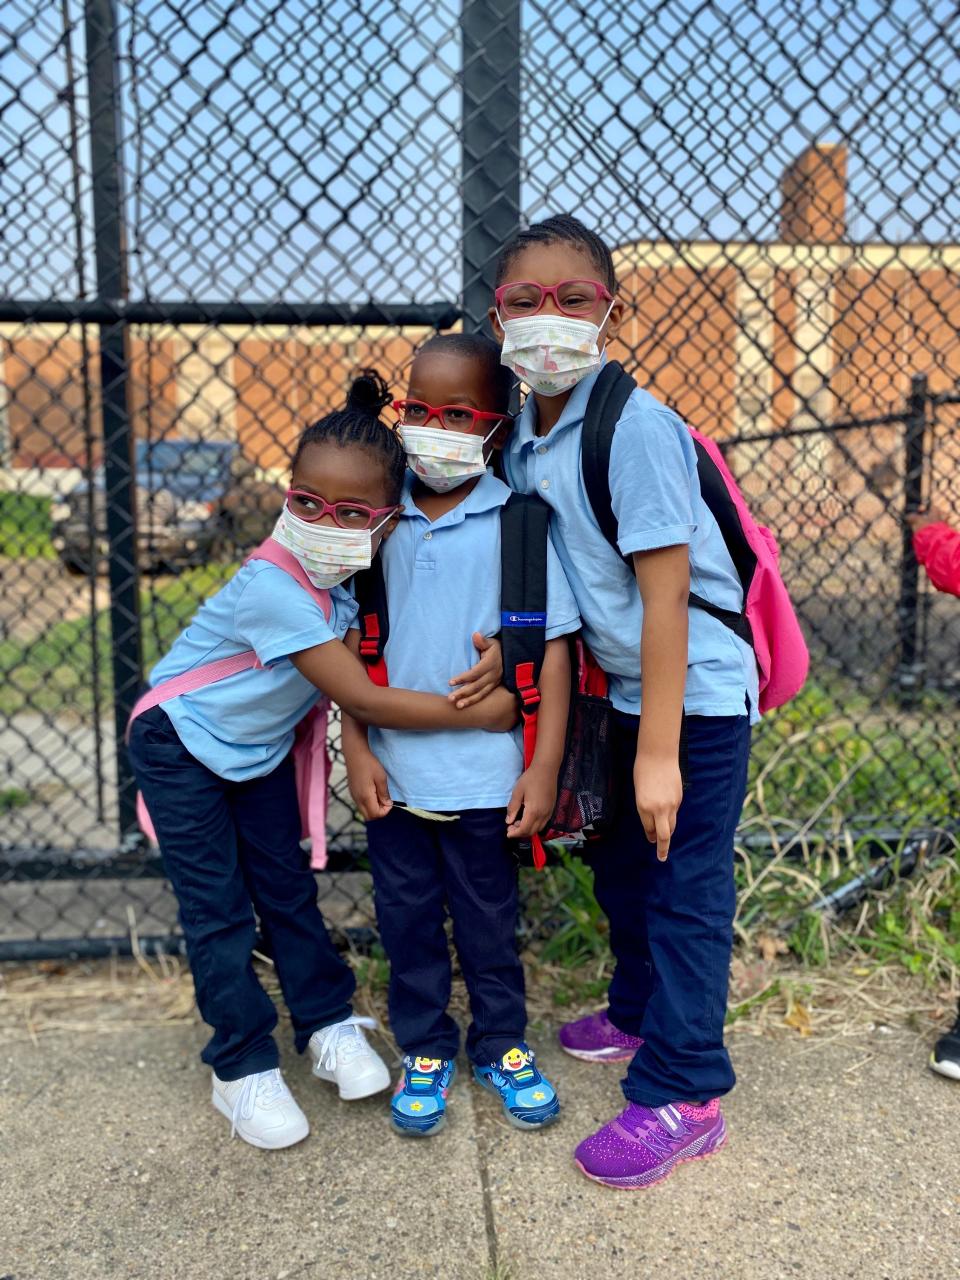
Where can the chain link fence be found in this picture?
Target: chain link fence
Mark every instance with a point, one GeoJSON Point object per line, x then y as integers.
{"type": "Point", "coordinates": [213, 214]}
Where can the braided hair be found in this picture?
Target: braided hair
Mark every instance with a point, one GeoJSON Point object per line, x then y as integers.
{"type": "Point", "coordinates": [358, 424]}
{"type": "Point", "coordinates": [562, 228]}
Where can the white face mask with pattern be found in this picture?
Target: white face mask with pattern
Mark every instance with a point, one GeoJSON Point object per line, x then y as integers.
{"type": "Point", "coordinates": [550, 353]}
{"type": "Point", "coordinates": [328, 554]}
{"type": "Point", "coordinates": [444, 459]}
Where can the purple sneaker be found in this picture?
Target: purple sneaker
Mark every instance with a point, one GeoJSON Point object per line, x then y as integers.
{"type": "Point", "coordinates": [643, 1144]}
{"type": "Point", "coordinates": [596, 1039]}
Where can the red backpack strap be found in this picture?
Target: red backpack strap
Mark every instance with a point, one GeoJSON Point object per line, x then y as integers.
{"type": "Point", "coordinates": [271, 551]}
{"type": "Point", "coordinates": [371, 593]}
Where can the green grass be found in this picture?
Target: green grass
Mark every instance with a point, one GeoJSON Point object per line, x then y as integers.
{"type": "Point", "coordinates": [55, 672]}
{"type": "Point", "coordinates": [13, 798]}
{"type": "Point", "coordinates": [25, 526]}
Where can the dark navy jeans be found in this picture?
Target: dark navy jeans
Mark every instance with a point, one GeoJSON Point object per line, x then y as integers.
{"type": "Point", "coordinates": [420, 867]}
{"type": "Point", "coordinates": [671, 923]}
{"type": "Point", "coordinates": [229, 849]}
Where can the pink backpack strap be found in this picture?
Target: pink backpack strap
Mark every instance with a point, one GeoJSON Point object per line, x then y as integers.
{"type": "Point", "coordinates": [271, 551]}
{"type": "Point", "coordinates": [211, 672]}
{"type": "Point", "coordinates": [199, 677]}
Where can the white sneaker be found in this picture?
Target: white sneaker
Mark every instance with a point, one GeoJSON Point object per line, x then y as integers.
{"type": "Point", "coordinates": [341, 1054]}
{"type": "Point", "coordinates": [261, 1109]}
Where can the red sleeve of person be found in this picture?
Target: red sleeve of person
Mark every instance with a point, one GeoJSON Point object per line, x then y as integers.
{"type": "Point", "coordinates": [937, 547]}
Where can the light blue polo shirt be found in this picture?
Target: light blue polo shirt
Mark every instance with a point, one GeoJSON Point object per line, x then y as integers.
{"type": "Point", "coordinates": [242, 727]}
{"type": "Point", "coordinates": [443, 583]}
{"type": "Point", "coordinates": [656, 499]}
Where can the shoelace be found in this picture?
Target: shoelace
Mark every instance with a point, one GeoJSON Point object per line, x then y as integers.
{"type": "Point", "coordinates": [351, 1044]}
{"type": "Point", "coordinates": [265, 1087]}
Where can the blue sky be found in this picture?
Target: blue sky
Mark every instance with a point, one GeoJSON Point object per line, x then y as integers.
{"type": "Point", "coordinates": [310, 151]}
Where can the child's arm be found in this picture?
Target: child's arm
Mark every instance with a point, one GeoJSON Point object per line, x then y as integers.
{"type": "Point", "coordinates": [937, 547]}
{"type": "Point", "coordinates": [536, 789]}
{"type": "Point", "coordinates": [663, 577]}
{"type": "Point", "coordinates": [366, 776]}
{"type": "Point", "coordinates": [335, 670]}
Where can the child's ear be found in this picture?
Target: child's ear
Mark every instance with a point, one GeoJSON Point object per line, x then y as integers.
{"type": "Point", "coordinates": [391, 524]}
{"type": "Point", "coordinates": [498, 440]}
{"type": "Point", "coordinates": [615, 319]}
{"type": "Point", "coordinates": [495, 324]}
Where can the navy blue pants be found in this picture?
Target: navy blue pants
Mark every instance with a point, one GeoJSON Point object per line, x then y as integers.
{"type": "Point", "coordinates": [671, 923]}
{"type": "Point", "coordinates": [419, 868]}
{"type": "Point", "coordinates": [230, 848]}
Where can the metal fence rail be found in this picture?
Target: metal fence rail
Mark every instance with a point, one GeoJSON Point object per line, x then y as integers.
{"type": "Point", "coordinates": [213, 217]}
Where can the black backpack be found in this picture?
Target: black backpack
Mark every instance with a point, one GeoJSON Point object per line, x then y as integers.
{"type": "Point", "coordinates": [583, 783]}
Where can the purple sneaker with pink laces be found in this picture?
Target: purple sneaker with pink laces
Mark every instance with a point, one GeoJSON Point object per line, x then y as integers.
{"type": "Point", "coordinates": [596, 1039]}
{"type": "Point", "coordinates": [643, 1144]}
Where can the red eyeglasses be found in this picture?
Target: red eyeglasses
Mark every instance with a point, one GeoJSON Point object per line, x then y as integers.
{"type": "Point", "coordinates": [570, 297]}
{"type": "Point", "coordinates": [346, 515]}
{"type": "Point", "coordinates": [452, 417]}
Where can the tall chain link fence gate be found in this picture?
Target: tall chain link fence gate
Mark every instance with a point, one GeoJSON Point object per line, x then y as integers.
{"type": "Point", "coordinates": [213, 214]}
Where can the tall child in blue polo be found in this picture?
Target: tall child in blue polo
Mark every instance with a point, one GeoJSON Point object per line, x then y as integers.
{"type": "Point", "coordinates": [442, 808]}
{"type": "Point", "coordinates": [215, 769]}
{"type": "Point", "coordinates": [664, 873]}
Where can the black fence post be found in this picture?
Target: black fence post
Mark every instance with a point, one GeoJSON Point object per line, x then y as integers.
{"type": "Point", "coordinates": [910, 671]}
{"type": "Point", "coordinates": [106, 167]}
{"type": "Point", "coordinates": [490, 157]}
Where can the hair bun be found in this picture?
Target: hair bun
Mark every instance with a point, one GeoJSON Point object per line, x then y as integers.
{"type": "Point", "coordinates": [368, 393]}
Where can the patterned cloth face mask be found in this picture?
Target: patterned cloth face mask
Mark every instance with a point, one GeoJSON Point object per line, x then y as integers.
{"type": "Point", "coordinates": [551, 353]}
{"type": "Point", "coordinates": [328, 554]}
{"type": "Point", "coordinates": [444, 459]}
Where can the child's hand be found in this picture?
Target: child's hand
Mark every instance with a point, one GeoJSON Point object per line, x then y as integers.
{"type": "Point", "coordinates": [932, 515]}
{"type": "Point", "coordinates": [536, 794]}
{"type": "Point", "coordinates": [367, 780]}
{"type": "Point", "coordinates": [659, 791]}
{"type": "Point", "coordinates": [483, 677]}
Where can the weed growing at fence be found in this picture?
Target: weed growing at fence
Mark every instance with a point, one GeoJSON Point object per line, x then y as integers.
{"type": "Point", "coordinates": [912, 924]}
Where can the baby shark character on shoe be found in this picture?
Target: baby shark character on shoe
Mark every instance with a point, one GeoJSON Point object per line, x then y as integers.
{"type": "Point", "coordinates": [529, 1099]}
{"type": "Point", "coordinates": [419, 1103]}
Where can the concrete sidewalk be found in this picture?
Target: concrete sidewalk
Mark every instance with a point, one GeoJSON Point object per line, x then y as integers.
{"type": "Point", "coordinates": [843, 1163]}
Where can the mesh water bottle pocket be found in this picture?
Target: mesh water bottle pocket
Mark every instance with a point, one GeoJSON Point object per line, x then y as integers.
{"type": "Point", "coordinates": [584, 796]}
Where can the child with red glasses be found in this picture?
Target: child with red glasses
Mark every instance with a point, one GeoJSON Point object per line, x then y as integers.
{"type": "Point", "coordinates": [664, 872]}
{"type": "Point", "coordinates": [215, 769]}
{"type": "Point", "coordinates": [442, 808]}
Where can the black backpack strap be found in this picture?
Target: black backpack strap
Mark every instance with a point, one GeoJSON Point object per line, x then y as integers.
{"type": "Point", "coordinates": [524, 525]}
{"type": "Point", "coordinates": [371, 595]}
{"type": "Point", "coordinates": [609, 397]}
{"type": "Point", "coordinates": [607, 401]}
{"type": "Point", "coordinates": [524, 521]}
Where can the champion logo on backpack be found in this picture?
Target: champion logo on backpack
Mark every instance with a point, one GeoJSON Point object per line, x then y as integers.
{"type": "Point", "coordinates": [767, 621]}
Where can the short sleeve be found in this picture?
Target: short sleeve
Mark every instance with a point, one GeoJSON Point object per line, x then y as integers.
{"type": "Point", "coordinates": [276, 617]}
{"type": "Point", "coordinates": [562, 613]}
{"type": "Point", "coordinates": [653, 465]}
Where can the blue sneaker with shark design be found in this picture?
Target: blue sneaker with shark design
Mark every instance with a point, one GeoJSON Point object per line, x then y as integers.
{"type": "Point", "coordinates": [529, 1099]}
{"type": "Point", "coordinates": [419, 1104]}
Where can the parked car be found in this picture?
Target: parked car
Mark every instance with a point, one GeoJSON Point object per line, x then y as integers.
{"type": "Point", "coordinates": [194, 499]}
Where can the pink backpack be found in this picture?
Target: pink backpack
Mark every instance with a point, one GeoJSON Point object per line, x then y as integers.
{"type": "Point", "coordinates": [768, 622]}
{"type": "Point", "coordinates": [310, 757]}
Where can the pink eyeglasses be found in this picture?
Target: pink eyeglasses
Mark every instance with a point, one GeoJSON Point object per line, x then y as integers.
{"type": "Point", "coordinates": [346, 515]}
{"type": "Point", "coordinates": [570, 297]}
